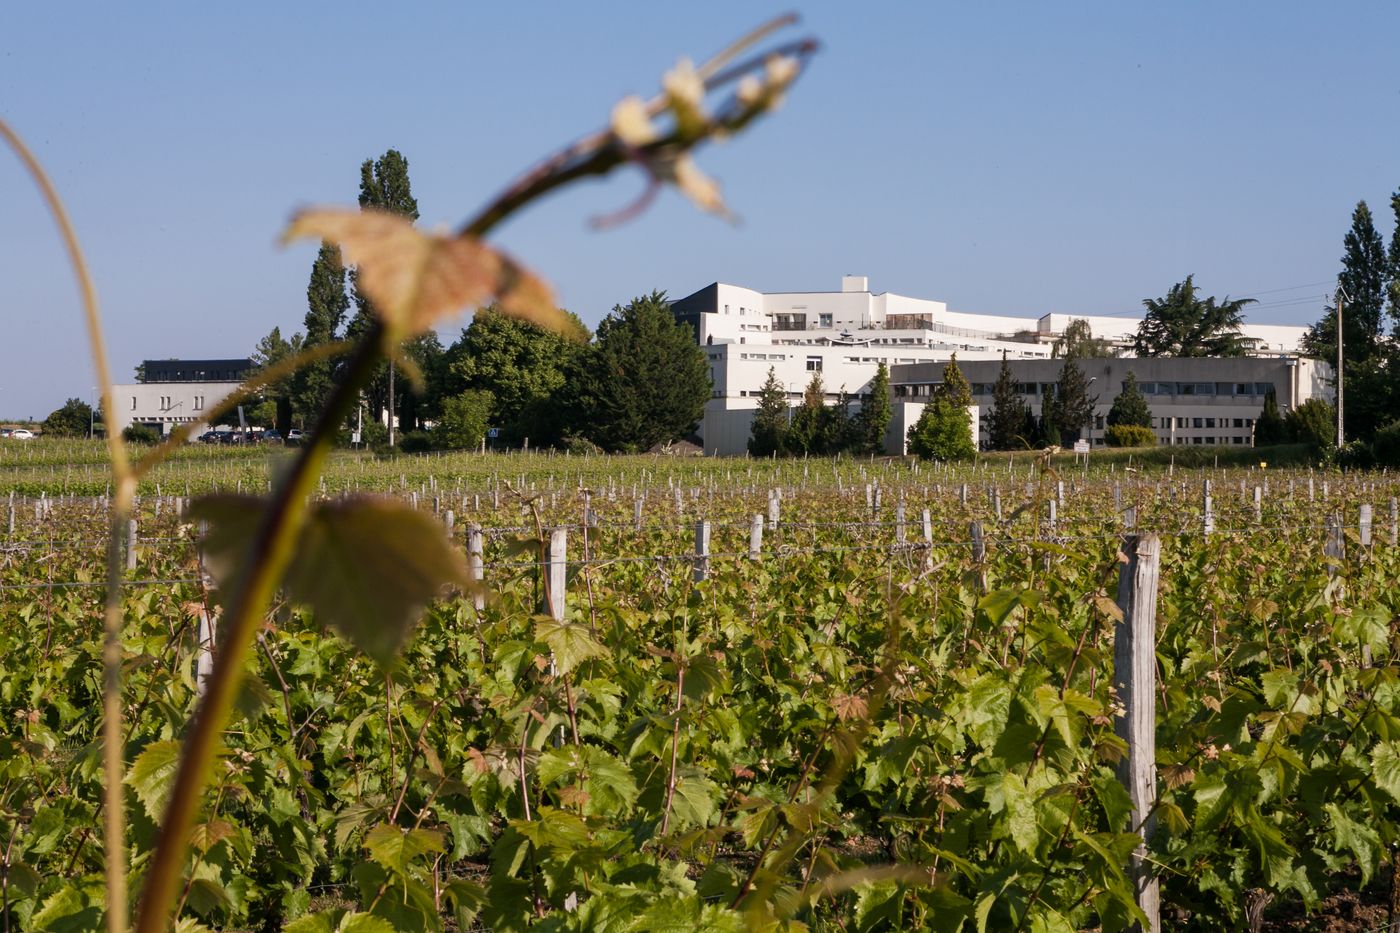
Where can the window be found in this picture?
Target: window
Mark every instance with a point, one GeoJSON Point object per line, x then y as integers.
{"type": "Point", "coordinates": [1198, 422]}
{"type": "Point", "coordinates": [1098, 422]}
{"type": "Point", "coordinates": [1210, 422]}
{"type": "Point", "coordinates": [133, 403]}
{"type": "Point", "coordinates": [726, 309]}
{"type": "Point", "coordinates": [814, 364]}
{"type": "Point", "coordinates": [823, 320]}
{"type": "Point", "coordinates": [1239, 422]}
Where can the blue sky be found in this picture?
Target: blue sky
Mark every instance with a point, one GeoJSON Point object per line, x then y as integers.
{"type": "Point", "coordinates": [1006, 158]}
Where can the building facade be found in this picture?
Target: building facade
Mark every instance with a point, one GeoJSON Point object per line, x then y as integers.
{"type": "Point", "coordinates": [178, 392]}
{"type": "Point", "coordinates": [1193, 401]}
{"type": "Point", "coordinates": [845, 335]}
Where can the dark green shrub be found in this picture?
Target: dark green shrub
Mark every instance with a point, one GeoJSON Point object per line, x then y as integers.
{"type": "Point", "coordinates": [416, 442]}
{"type": "Point", "coordinates": [1386, 445]}
{"type": "Point", "coordinates": [1313, 423]}
{"type": "Point", "coordinates": [141, 434]}
{"type": "Point", "coordinates": [1129, 435]}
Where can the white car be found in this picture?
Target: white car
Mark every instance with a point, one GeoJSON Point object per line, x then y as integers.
{"type": "Point", "coordinates": [20, 434]}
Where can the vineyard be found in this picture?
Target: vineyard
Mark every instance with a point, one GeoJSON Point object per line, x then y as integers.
{"type": "Point", "coordinates": [726, 695]}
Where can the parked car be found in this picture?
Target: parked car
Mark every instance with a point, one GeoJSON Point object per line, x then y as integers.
{"type": "Point", "coordinates": [209, 437]}
{"type": "Point", "coordinates": [295, 436]}
{"type": "Point", "coordinates": [21, 434]}
{"type": "Point", "coordinates": [271, 437]}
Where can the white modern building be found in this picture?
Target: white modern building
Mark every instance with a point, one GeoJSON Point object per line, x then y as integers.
{"type": "Point", "coordinates": [846, 334]}
{"type": "Point", "coordinates": [177, 392]}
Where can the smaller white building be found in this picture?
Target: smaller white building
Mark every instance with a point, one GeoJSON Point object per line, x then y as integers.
{"type": "Point", "coordinates": [177, 392]}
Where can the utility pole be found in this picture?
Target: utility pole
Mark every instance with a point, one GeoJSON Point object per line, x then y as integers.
{"type": "Point", "coordinates": [392, 420]}
{"type": "Point", "coordinates": [1342, 298]}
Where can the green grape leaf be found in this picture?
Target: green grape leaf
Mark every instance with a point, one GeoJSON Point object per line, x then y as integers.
{"type": "Point", "coordinates": [68, 910]}
{"type": "Point", "coordinates": [366, 566]}
{"type": "Point", "coordinates": [152, 776]}
{"type": "Point", "coordinates": [1385, 768]}
{"type": "Point", "coordinates": [395, 848]}
{"type": "Point", "coordinates": [569, 642]}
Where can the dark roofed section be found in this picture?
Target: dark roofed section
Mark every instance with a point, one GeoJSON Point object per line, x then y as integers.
{"type": "Point", "coordinates": [197, 370]}
{"type": "Point", "coordinates": [688, 309]}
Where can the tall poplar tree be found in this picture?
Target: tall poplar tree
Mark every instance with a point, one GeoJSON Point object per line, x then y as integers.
{"type": "Point", "coordinates": [1364, 277]}
{"type": "Point", "coordinates": [1368, 375]}
{"type": "Point", "coordinates": [384, 186]}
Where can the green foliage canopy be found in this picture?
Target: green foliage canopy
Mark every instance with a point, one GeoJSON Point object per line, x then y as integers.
{"type": "Point", "coordinates": [644, 381]}
{"type": "Point", "coordinates": [1182, 324]}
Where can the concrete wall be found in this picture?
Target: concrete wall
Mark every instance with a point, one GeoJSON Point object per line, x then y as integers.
{"type": "Point", "coordinates": [166, 405]}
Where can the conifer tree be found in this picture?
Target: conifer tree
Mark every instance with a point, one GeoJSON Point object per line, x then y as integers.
{"type": "Point", "coordinates": [873, 420]}
{"type": "Point", "coordinates": [1269, 427]}
{"type": "Point", "coordinates": [770, 419]}
{"type": "Point", "coordinates": [1130, 407]}
{"type": "Point", "coordinates": [1074, 407]}
{"type": "Point", "coordinates": [944, 429]}
{"type": "Point", "coordinates": [804, 432]}
{"type": "Point", "coordinates": [1007, 421]}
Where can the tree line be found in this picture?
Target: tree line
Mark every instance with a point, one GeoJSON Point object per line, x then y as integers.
{"type": "Point", "coordinates": [641, 380]}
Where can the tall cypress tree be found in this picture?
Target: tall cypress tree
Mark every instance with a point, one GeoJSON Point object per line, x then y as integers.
{"type": "Point", "coordinates": [770, 420]}
{"type": "Point", "coordinates": [327, 304]}
{"type": "Point", "coordinates": [1006, 423]}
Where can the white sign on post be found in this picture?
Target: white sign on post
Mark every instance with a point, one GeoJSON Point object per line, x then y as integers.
{"type": "Point", "coordinates": [1081, 447]}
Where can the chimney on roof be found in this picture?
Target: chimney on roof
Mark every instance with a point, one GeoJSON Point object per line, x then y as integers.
{"type": "Point", "coordinates": [855, 283]}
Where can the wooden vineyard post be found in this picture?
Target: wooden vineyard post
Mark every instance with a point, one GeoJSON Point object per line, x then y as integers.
{"type": "Point", "coordinates": [131, 544]}
{"type": "Point", "coordinates": [449, 522]}
{"type": "Point", "coordinates": [637, 514]}
{"type": "Point", "coordinates": [756, 538]}
{"type": "Point", "coordinates": [702, 551]}
{"type": "Point", "coordinates": [899, 522]}
{"type": "Point", "coordinates": [927, 520]}
{"type": "Point", "coordinates": [1130, 518]}
{"type": "Point", "coordinates": [979, 555]}
{"type": "Point", "coordinates": [773, 511]}
{"type": "Point", "coordinates": [1207, 511]}
{"type": "Point", "coordinates": [476, 566]}
{"type": "Point", "coordinates": [1335, 547]}
{"type": "Point", "coordinates": [1258, 506]}
{"type": "Point", "coordinates": [1364, 524]}
{"type": "Point", "coordinates": [555, 565]}
{"type": "Point", "coordinates": [1394, 521]}
{"type": "Point", "coordinates": [1134, 674]}
{"type": "Point", "coordinates": [208, 628]}
{"type": "Point", "coordinates": [11, 524]}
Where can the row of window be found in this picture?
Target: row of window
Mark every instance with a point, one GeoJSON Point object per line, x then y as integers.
{"type": "Point", "coordinates": [1182, 389]}
{"type": "Point", "coordinates": [167, 403]}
